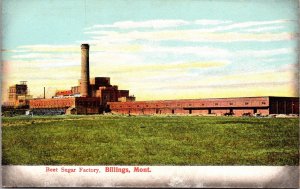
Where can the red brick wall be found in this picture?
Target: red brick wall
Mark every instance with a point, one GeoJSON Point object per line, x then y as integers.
{"type": "Point", "coordinates": [198, 106]}
{"type": "Point", "coordinates": [263, 111]}
{"type": "Point", "coordinates": [240, 112]}
{"type": "Point", "coordinates": [87, 105]}
{"type": "Point", "coordinates": [52, 103]}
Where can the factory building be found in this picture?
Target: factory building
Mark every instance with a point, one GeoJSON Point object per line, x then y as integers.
{"type": "Point", "coordinates": [211, 106]}
{"type": "Point", "coordinates": [74, 105]}
{"type": "Point", "coordinates": [97, 95]}
{"type": "Point", "coordinates": [89, 97]}
{"type": "Point", "coordinates": [18, 96]}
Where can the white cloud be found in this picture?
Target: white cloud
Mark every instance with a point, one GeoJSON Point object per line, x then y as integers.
{"type": "Point", "coordinates": [219, 25]}
{"type": "Point", "coordinates": [264, 29]}
{"type": "Point", "coordinates": [261, 53]}
{"type": "Point", "coordinates": [199, 51]}
{"type": "Point", "coordinates": [50, 48]}
{"type": "Point", "coordinates": [217, 31]}
{"type": "Point", "coordinates": [43, 56]}
{"type": "Point", "coordinates": [194, 35]}
{"type": "Point", "coordinates": [211, 22]}
{"type": "Point", "coordinates": [142, 24]}
{"type": "Point", "coordinates": [242, 25]}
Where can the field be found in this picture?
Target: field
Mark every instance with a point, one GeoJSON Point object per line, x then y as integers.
{"type": "Point", "coordinates": [149, 140]}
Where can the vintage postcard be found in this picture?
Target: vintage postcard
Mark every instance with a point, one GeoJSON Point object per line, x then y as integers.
{"type": "Point", "coordinates": [152, 93]}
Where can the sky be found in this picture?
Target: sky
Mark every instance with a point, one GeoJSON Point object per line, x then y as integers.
{"type": "Point", "coordinates": [158, 49]}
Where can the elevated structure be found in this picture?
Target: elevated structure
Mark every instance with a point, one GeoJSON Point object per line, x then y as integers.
{"type": "Point", "coordinates": [18, 95]}
{"type": "Point", "coordinates": [85, 71]}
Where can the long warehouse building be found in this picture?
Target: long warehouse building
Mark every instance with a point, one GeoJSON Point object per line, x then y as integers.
{"type": "Point", "coordinates": [211, 106]}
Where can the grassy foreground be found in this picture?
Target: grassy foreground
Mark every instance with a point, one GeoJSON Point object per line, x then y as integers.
{"type": "Point", "coordinates": [141, 140]}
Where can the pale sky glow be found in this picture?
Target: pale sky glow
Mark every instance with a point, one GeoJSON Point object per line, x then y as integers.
{"type": "Point", "coordinates": [156, 49]}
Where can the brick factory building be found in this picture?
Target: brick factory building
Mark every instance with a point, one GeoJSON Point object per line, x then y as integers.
{"type": "Point", "coordinates": [18, 96]}
{"type": "Point", "coordinates": [212, 106]}
{"type": "Point", "coordinates": [89, 97]}
{"type": "Point", "coordinates": [97, 95]}
{"type": "Point", "coordinates": [74, 105]}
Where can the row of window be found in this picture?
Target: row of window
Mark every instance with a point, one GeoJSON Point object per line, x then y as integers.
{"type": "Point", "coordinates": [88, 103]}
{"type": "Point", "coordinates": [52, 104]}
{"type": "Point", "coordinates": [167, 105]}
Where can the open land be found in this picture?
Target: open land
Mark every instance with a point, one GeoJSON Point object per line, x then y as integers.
{"type": "Point", "coordinates": [149, 140]}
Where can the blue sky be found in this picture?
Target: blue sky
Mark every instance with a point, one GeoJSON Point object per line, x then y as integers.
{"type": "Point", "coordinates": [157, 49]}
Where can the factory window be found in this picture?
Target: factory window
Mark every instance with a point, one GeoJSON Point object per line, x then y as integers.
{"type": "Point", "coordinates": [263, 103]}
{"type": "Point", "coordinates": [167, 105]}
{"type": "Point", "coordinates": [178, 104]}
{"type": "Point", "coordinates": [138, 106]}
{"type": "Point", "coordinates": [156, 104]}
{"type": "Point", "coordinates": [190, 104]}
{"type": "Point", "coordinates": [202, 104]}
{"type": "Point", "coordinates": [230, 103]}
{"type": "Point", "coordinates": [147, 106]}
{"type": "Point", "coordinates": [246, 103]}
{"type": "Point", "coordinates": [216, 104]}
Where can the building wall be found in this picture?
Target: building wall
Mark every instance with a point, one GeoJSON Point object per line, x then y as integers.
{"type": "Point", "coordinates": [83, 105]}
{"type": "Point", "coordinates": [217, 106]}
{"type": "Point", "coordinates": [87, 105]}
{"type": "Point", "coordinates": [51, 103]}
{"type": "Point", "coordinates": [284, 105]}
{"type": "Point", "coordinates": [18, 95]}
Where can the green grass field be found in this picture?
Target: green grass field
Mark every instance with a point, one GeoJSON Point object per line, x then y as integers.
{"type": "Point", "coordinates": [152, 140]}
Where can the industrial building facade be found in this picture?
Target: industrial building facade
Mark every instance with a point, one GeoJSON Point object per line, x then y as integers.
{"type": "Point", "coordinates": [18, 95]}
{"type": "Point", "coordinates": [76, 105]}
{"type": "Point", "coordinates": [89, 97]}
{"type": "Point", "coordinates": [214, 106]}
{"type": "Point", "coordinates": [97, 95]}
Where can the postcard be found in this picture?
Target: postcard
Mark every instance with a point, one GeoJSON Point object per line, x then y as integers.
{"type": "Point", "coordinates": [152, 93]}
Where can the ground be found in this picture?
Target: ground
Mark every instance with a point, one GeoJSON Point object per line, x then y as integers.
{"type": "Point", "coordinates": [149, 140]}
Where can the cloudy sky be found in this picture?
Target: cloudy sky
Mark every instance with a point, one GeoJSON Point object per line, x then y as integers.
{"type": "Point", "coordinates": [158, 49]}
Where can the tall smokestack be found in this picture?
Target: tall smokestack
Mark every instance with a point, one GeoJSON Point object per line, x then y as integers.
{"type": "Point", "coordinates": [44, 92]}
{"type": "Point", "coordinates": [85, 72]}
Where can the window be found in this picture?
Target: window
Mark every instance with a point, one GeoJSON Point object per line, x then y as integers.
{"type": "Point", "coordinates": [263, 103]}
{"type": "Point", "coordinates": [147, 106]}
{"type": "Point", "coordinates": [137, 105]}
{"type": "Point", "coordinates": [202, 104]}
{"type": "Point", "coordinates": [190, 104]}
{"type": "Point", "coordinates": [230, 103]}
{"type": "Point", "coordinates": [246, 103]}
{"type": "Point", "coordinates": [216, 104]}
{"type": "Point", "coordinates": [178, 104]}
